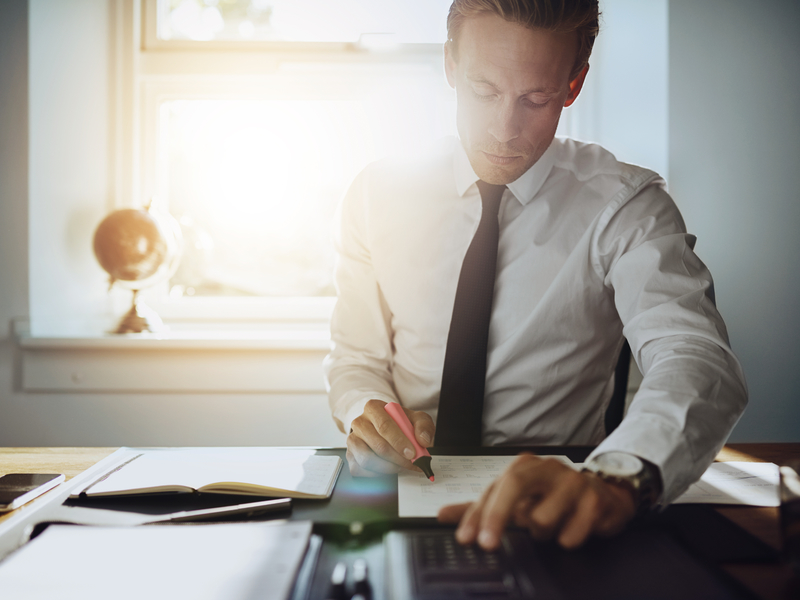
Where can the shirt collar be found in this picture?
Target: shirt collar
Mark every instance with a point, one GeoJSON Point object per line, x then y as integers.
{"type": "Point", "coordinates": [524, 188]}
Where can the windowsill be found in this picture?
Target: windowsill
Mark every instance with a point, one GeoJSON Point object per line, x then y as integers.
{"type": "Point", "coordinates": [197, 339]}
{"type": "Point", "coordinates": [257, 358]}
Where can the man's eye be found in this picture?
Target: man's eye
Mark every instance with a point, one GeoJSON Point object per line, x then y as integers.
{"type": "Point", "coordinates": [536, 102]}
{"type": "Point", "coordinates": [480, 96]}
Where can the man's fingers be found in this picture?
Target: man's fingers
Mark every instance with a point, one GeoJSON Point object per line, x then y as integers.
{"type": "Point", "coordinates": [363, 455]}
{"type": "Point", "coordinates": [557, 505]}
{"type": "Point", "coordinates": [467, 515]}
{"type": "Point", "coordinates": [357, 470]}
{"type": "Point", "coordinates": [603, 509]}
{"type": "Point", "coordinates": [452, 513]}
{"type": "Point", "coordinates": [364, 428]}
{"type": "Point", "coordinates": [549, 498]}
{"type": "Point", "coordinates": [501, 499]}
{"type": "Point", "coordinates": [391, 442]}
{"type": "Point", "coordinates": [424, 428]}
{"type": "Point", "coordinates": [469, 526]}
{"type": "Point", "coordinates": [621, 508]}
{"type": "Point", "coordinates": [522, 512]}
{"type": "Point", "coordinates": [582, 521]}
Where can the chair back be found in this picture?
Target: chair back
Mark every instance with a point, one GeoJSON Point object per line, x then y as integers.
{"type": "Point", "coordinates": [616, 407]}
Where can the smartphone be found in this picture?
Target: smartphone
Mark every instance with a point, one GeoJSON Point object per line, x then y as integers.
{"type": "Point", "coordinates": [18, 488]}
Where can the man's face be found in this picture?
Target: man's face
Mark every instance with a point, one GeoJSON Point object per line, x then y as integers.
{"type": "Point", "coordinates": [511, 84]}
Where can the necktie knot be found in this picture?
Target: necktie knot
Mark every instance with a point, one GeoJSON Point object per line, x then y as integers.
{"type": "Point", "coordinates": [490, 195]}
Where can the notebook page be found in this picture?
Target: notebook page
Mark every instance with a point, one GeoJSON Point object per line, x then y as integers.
{"type": "Point", "coordinates": [299, 471]}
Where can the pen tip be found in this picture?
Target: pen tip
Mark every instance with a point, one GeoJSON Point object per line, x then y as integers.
{"type": "Point", "coordinates": [431, 477]}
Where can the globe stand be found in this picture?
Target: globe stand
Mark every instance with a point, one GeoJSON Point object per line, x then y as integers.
{"type": "Point", "coordinates": [140, 318]}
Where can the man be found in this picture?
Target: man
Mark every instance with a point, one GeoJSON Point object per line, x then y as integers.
{"type": "Point", "coordinates": [589, 251]}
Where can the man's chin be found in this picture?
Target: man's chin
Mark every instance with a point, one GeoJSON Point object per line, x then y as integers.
{"type": "Point", "coordinates": [498, 172]}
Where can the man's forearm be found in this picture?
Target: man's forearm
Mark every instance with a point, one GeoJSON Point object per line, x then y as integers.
{"type": "Point", "coordinates": [691, 396]}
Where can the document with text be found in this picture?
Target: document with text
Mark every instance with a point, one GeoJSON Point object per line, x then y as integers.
{"type": "Point", "coordinates": [458, 479]}
{"type": "Point", "coordinates": [743, 483]}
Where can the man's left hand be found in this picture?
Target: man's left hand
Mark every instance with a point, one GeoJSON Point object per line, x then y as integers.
{"type": "Point", "coordinates": [549, 498]}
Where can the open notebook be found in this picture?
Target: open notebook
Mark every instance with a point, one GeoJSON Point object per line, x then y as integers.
{"type": "Point", "coordinates": [293, 473]}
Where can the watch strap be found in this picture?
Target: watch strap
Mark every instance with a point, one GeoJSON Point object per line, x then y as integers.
{"type": "Point", "coordinates": [645, 486]}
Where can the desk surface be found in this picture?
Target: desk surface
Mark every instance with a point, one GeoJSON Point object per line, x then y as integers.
{"type": "Point", "coordinates": [768, 581]}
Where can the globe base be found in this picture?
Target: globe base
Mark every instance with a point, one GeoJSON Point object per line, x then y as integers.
{"type": "Point", "coordinates": [140, 318]}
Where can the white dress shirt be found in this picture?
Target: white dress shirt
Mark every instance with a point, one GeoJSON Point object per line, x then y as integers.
{"type": "Point", "coordinates": [590, 249]}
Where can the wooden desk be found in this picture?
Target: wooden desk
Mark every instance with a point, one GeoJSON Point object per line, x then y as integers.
{"type": "Point", "coordinates": [69, 461]}
{"type": "Point", "coordinates": [768, 581]}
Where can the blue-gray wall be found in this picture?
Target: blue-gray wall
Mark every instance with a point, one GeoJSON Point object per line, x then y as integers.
{"type": "Point", "coordinates": [734, 169]}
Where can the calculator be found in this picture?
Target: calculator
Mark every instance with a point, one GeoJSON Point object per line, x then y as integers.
{"type": "Point", "coordinates": [429, 564]}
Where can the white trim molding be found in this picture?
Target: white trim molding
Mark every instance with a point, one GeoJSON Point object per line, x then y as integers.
{"type": "Point", "coordinates": [246, 361]}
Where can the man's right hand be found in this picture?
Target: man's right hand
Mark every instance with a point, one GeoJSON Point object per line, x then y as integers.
{"type": "Point", "coordinates": [376, 445]}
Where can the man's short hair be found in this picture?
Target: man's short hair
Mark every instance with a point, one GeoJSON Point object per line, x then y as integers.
{"type": "Point", "coordinates": [562, 16]}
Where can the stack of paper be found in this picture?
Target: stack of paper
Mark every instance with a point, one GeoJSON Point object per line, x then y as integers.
{"type": "Point", "coordinates": [201, 562]}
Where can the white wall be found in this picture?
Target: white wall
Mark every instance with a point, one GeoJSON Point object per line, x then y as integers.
{"type": "Point", "coordinates": [70, 125]}
{"type": "Point", "coordinates": [735, 172]}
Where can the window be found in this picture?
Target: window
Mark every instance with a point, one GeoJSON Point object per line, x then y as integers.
{"type": "Point", "coordinates": [254, 171]}
{"type": "Point", "coordinates": [254, 116]}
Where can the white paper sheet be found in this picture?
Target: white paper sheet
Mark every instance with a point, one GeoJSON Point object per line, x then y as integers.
{"type": "Point", "coordinates": [201, 562]}
{"type": "Point", "coordinates": [458, 479]}
{"type": "Point", "coordinates": [742, 483]}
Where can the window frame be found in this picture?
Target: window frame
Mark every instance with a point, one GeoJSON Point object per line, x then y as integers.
{"type": "Point", "coordinates": [151, 41]}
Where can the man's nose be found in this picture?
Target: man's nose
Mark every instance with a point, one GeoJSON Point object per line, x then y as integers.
{"type": "Point", "coordinates": [505, 124]}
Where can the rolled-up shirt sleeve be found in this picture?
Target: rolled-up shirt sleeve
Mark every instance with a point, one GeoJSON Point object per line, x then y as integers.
{"type": "Point", "coordinates": [358, 367]}
{"type": "Point", "coordinates": [693, 389]}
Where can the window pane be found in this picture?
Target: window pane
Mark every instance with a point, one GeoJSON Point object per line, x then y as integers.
{"type": "Point", "coordinates": [408, 21]}
{"type": "Point", "coordinates": [255, 182]}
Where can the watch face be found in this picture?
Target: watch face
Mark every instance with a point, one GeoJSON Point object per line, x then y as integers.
{"type": "Point", "coordinates": [619, 464]}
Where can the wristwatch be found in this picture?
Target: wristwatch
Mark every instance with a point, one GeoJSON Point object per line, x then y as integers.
{"type": "Point", "coordinates": [640, 477]}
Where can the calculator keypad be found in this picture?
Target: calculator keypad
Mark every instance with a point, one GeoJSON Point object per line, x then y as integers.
{"type": "Point", "coordinates": [445, 567]}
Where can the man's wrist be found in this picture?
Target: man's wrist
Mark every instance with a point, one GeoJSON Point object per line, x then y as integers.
{"type": "Point", "coordinates": [354, 411]}
{"type": "Point", "coordinates": [632, 473]}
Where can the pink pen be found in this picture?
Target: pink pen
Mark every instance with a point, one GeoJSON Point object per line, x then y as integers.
{"type": "Point", "coordinates": [423, 458]}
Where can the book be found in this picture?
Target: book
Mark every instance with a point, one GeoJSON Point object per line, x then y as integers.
{"type": "Point", "coordinates": [291, 473]}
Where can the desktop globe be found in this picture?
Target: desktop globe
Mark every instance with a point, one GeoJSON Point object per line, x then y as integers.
{"type": "Point", "coordinates": [138, 248]}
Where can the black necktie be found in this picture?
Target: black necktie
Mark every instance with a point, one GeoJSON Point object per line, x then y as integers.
{"type": "Point", "coordinates": [459, 421]}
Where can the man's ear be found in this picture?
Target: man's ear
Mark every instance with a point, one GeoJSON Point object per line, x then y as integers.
{"type": "Point", "coordinates": [450, 64]}
{"type": "Point", "coordinates": [575, 86]}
